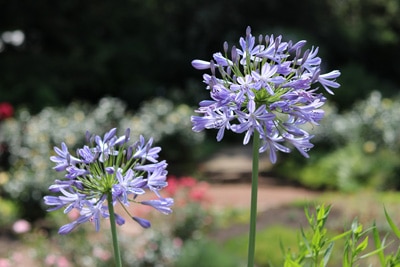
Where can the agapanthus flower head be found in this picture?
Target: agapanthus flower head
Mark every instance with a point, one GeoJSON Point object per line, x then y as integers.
{"type": "Point", "coordinates": [267, 87]}
{"type": "Point", "coordinates": [108, 165]}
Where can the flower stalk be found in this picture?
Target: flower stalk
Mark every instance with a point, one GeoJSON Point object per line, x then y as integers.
{"type": "Point", "coordinates": [267, 89]}
{"type": "Point", "coordinates": [107, 171]}
{"type": "Point", "coordinates": [253, 204]}
{"type": "Point", "coordinates": [113, 226]}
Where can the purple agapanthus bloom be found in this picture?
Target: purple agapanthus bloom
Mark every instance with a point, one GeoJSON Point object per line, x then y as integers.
{"type": "Point", "coordinates": [267, 88]}
{"type": "Point", "coordinates": [108, 165]}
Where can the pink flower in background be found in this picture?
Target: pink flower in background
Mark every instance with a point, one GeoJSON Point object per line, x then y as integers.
{"type": "Point", "coordinates": [50, 260]}
{"type": "Point", "coordinates": [178, 242]}
{"type": "Point", "coordinates": [21, 226]}
{"type": "Point", "coordinates": [63, 262]}
{"type": "Point", "coordinates": [59, 261]}
{"type": "Point", "coordinates": [5, 262]}
{"type": "Point", "coordinates": [6, 110]}
{"type": "Point", "coordinates": [73, 214]}
{"type": "Point", "coordinates": [101, 254]}
{"type": "Point", "coordinates": [18, 258]}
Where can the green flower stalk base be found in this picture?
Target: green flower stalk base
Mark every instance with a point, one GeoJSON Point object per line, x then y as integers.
{"type": "Point", "coordinates": [117, 253]}
{"type": "Point", "coordinates": [253, 205]}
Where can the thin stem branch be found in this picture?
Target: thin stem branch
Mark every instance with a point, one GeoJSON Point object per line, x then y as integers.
{"type": "Point", "coordinates": [117, 253]}
{"type": "Point", "coordinates": [253, 205]}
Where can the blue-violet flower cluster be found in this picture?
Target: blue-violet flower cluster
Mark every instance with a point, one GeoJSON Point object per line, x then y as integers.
{"type": "Point", "coordinates": [109, 166]}
{"type": "Point", "coordinates": [266, 88]}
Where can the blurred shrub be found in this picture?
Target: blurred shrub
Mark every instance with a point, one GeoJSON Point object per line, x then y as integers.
{"type": "Point", "coordinates": [173, 241]}
{"type": "Point", "coordinates": [359, 148]}
{"type": "Point", "coordinates": [268, 249]}
{"type": "Point", "coordinates": [205, 253]}
{"type": "Point", "coordinates": [171, 128]}
{"type": "Point", "coordinates": [31, 138]}
{"type": "Point", "coordinates": [8, 213]}
{"type": "Point", "coordinates": [375, 119]}
{"type": "Point", "coordinates": [192, 219]}
{"type": "Point", "coordinates": [162, 245]}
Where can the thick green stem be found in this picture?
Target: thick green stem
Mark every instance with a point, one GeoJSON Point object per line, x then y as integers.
{"type": "Point", "coordinates": [253, 205]}
{"type": "Point", "coordinates": [117, 253]}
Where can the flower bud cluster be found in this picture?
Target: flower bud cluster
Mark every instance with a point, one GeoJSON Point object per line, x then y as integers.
{"type": "Point", "coordinates": [108, 166]}
{"type": "Point", "coordinates": [267, 88]}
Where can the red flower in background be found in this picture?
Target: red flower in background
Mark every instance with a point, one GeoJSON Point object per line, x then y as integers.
{"type": "Point", "coordinates": [187, 181]}
{"type": "Point", "coordinates": [6, 110]}
{"type": "Point", "coordinates": [199, 193]}
{"type": "Point", "coordinates": [187, 189]}
{"type": "Point", "coordinates": [173, 185]}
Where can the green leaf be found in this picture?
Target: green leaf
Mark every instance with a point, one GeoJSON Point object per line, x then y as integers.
{"type": "Point", "coordinates": [356, 227]}
{"type": "Point", "coordinates": [378, 245]}
{"type": "Point", "coordinates": [345, 261]}
{"type": "Point", "coordinates": [291, 263]}
{"type": "Point", "coordinates": [346, 254]}
{"type": "Point", "coordinates": [395, 230]}
{"type": "Point", "coordinates": [305, 239]}
{"type": "Point", "coordinates": [322, 214]}
{"type": "Point", "coordinates": [376, 251]}
{"type": "Point", "coordinates": [327, 254]}
{"type": "Point", "coordinates": [310, 217]}
{"type": "Point", "coordinates": [316, 239]}
{"type": "Point", "coordinates": [340, 236]}
{"type": "Point", "coordinates": [362, 246]}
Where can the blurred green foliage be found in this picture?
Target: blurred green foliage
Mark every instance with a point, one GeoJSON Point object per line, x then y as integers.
{"type": "Point", "coordinates": [268, 239]}
{"type": "Point", "coordinates": [8, 213]}
{"type": "Point", "coordinates": [206, 253]}
{"type": "Point", "coordinates": [135, 50]}
{"type": "Point", "coordinates": [168, 241]}
{"type": "Point", "coordinates": [31, 138]}
{"type": "Point", "coordinates": [354, 149]}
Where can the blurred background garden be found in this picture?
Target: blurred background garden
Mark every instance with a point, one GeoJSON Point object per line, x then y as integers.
{"type": "Point", "coordinates": [71, 66]}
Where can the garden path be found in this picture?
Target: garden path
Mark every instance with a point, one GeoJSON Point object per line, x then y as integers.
{"type": "Point", "coordinates": [270, 195]}
{"type": "Point", "coordinates": [229, 171]}
{"type": "Point", "coordinates": [230, 174]}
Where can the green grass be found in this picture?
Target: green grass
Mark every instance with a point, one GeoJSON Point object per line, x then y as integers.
{"type": "Point", "coordinates": [206, 253]}
{"type": "Point", "coordinates": [267, 244]}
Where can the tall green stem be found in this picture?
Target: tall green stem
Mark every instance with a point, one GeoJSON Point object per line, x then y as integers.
{"type": "Point", "coordinates": [117, 253]}
{"type": "Point", "coordinates": [253, 205]}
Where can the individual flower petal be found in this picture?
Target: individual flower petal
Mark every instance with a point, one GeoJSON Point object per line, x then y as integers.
{"type": "Point", "coordinates": [200, 64]}
{"type": "Point", "coordinates": [327, 80]}
{"type": "Point", "coordinates": [145, 150]}
{"type": "Point", "coordinates": [142, 222]}
{"type": "Point", "coordinates": [163, 204]}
